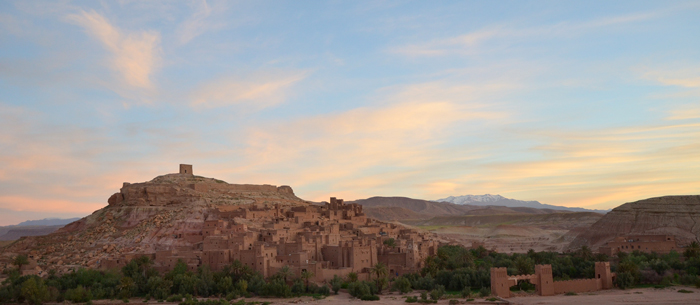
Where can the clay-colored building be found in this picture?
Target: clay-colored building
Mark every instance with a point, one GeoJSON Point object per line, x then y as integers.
{"type": "Point", "coordinates": [545, 284]}
{"type": "Point", "coordinates": [645, 243]}
{"type": "Point", "coordinates": [333, 239]}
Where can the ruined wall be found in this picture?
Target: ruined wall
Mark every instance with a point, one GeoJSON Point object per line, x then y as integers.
{"type": "Point", "coordinates": [582, 285]}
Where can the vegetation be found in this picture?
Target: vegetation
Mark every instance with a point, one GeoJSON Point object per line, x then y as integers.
{"type": "Point", "coordinates": [454, 270]}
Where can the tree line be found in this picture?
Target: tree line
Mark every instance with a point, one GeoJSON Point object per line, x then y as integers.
{"type": "Point", "coordinates": [453, 269]}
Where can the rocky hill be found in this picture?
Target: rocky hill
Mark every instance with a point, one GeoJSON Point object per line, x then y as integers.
{"type": "Point", "coordinates": [143, 216]}
{"type": "Point", "coordinates": [669, 215]}
{"type": "Point", "coordinates": [402, 208]}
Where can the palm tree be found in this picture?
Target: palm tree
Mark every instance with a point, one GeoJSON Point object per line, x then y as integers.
{"type": "Point", "coordinates": [306, 275]}
{"type": "Point", "coordinates": [693, 250]}
{"type": "Point", "coordinates": [284, 273]}
{"type": "Point", "coordinates": [381, 272]}
{"type": "Point", "coordinates": [352, 277]}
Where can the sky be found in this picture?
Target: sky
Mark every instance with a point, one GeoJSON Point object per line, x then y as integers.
{"type": "Point", "coordinates": [589, 104]}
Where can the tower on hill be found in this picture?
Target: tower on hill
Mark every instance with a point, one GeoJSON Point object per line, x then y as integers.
{"type": "Point", "coordinates": [186, 169]}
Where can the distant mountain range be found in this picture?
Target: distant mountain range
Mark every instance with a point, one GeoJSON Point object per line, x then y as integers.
{"type": "Point", "coordinates": [498, 200]}
{"type": "Point", "coordinates": [33, 228]}
{"type": "Point", "coordinates": [48, 222]}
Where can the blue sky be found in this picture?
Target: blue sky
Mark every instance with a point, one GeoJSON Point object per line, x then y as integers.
{"type": "Point", "coordinates": [589, 104]}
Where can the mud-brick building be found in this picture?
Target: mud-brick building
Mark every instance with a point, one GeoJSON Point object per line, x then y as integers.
{"type": "Point", "coordinates": [644, 243]}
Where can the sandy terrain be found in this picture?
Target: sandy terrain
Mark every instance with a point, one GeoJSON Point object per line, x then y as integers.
{"type": "Point", "coordinates": [614, 296]}
{"type": "Point", "coordinates": [508, 239]}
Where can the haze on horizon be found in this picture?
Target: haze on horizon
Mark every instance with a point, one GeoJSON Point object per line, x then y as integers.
{"type": "Point", "coordinates": [589, 104]}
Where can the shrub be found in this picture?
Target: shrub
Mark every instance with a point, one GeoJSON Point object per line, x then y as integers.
{"type": "Point", "coordinates": [470, 300]}
{"type": "Point", "coordinates": [685, 291]}
{"type": "Point", "coordinates": [323, 290]}
{"type": "Point", "coordinates": [466, 292]}
{"type": "Point", "coordinates": [454, 302]}
{"type": "Point", "coordinates": [484, 292]}
{"type": "Point", "coordinates": [370, 298]}
{"type": "Point", "coordinates": [570, 293]}
{"type": "Point", "coordinates": [624, 280]}
{"type": "Point", "coordinates": [437, 293]}
{"type": "Point", "coordinates": [174, 298]}
{"type": "Point", "coordinates": [411, 299]}
{"type": "Point", "coordinates": [298, 287]}
{"type": "Point", "coordinates": [492, 299]}
{"type": "Point", "coordinates": [359, 289]}
{"type": "Point", "coordinates": [34, 291]}
{"type": "Point", "coordinates": [336, 284]}
{"type": "Point", "coordinates": [424, 296]}
{"type": "Point", "coordinates": [78, 295]}
{"type": "Point", "coordinates": [403, 285]}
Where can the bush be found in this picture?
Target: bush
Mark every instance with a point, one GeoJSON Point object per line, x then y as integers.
{"type": "Point", "coordinates": [34, 291]}
{"type": "Point", "coordinates": [466, 292]}
{"type": "Point", "coordinates": [174, 298]}
{"type": "Point", "coordinates": [437, 293]}
{"type": "Point", "coordinates": [370, 298]}
{"type": "Point", "coordinates": [298, 287]}
{"type": "Point", "coordinates": [78, 295]}
{"type": "Point", "coordinates": [359, 289]}
{"type": "Point", "coordinates": [685, 291]}
{"type": "Point", "coordinates": [276, 288]}
{"type": "Point", "coordinates": [624, 280]}
{"type": "Point", "coordinates": [403, 285]}
{"type": "Point", "coordinates": [411, 299]}
{"type": "Point", "coordinates": [484, 292]}
{"type": "Point", "coordinates": [324, 290]}
{"type": "Point", "coordinates": [570, 293]}
{"type": "Point", "coordinates": [424, 296]}
{"type": "Point", "coordinates": [336, 284]}
{"type": "Point", "coordinates": [454, 302]}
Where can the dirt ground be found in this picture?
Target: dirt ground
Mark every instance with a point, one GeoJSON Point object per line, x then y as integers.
{"type": "Point", "coordinates": [614, 296]}
{"type": "Point", "coordinates": [508, 239]}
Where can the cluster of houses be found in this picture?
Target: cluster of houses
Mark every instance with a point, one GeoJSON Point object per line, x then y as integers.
{"type": "Point", "coordinates": [326, 240]}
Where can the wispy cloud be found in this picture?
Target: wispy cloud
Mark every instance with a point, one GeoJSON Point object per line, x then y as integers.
{"type": "Point", "coordinates": [135, 56]}
{"type": "Point", "coordinates": [474, 42]}
{"type": "Point", "coordinates": [200, 21]}
{"type": "Point", "coordinates": [257, 91]}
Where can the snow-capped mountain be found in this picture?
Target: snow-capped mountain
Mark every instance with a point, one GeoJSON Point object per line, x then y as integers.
{"type": "Point", "coordinates": [498, 200]}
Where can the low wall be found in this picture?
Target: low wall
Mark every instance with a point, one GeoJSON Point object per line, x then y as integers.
{"type": "Point", "coordinates": [583, 285]}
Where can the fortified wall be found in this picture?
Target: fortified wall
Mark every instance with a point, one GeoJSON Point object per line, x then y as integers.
{"type": "Point", "coordinates": [545, 284]}
{"type": "Point", "coordinates": [661, 244]}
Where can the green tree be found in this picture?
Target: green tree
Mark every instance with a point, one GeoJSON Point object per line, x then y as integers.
{"type": "Point", "coordinates": [284, 273]}
{"type": "Point", "coordinates": [336, 283]}
{"type": "Point", "coordinates": [390, 242]}
{"type": "Point", "coordinates": [403, 285]}
{"type": "Point", "coordinates": [20, 260]}
{"type": "Point", "coordinates": [692, 251]}
{"type": "Point", "coordinates": [352, 277]}
{"type": "Point", "coordinates": [306, 275]}
{"type": "Point", "coordinates": [380, 273]}
{"type": "Point", "coordinates": [437, 293]}
{"type": "Point", "coordinates": [524, 265]}
{"type": "Point", "coordinates": [34, 291]}
{"type": "Point", "coordinates": [242, 286]}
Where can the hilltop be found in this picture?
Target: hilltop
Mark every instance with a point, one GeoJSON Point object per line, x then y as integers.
{"type": "Point", "coordinates": [144, 216]}
{"type": "Point", "coordinates": [668, 215]}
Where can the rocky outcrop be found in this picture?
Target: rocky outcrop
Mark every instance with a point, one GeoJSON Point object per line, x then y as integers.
{"type": "Point", "coordinates": [143, 217]}
{"type": "Point", "coordinates": [669, 215]}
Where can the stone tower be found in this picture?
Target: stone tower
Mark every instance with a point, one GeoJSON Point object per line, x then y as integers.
{"type": "Point", "coordinates": [545, 281]}
{"type": "Point", "coordinates": [602, 272]}
{"type": "Point", "coordinates": [186, 169]}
